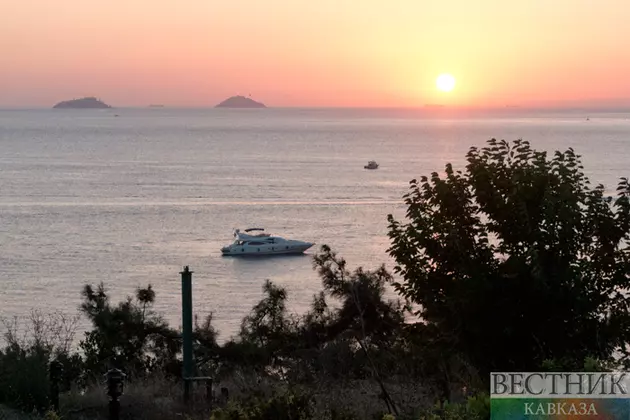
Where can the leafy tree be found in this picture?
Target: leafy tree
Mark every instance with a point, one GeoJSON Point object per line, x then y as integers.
{"type": "Point", "coordinates": [267, 323]}
{"type": "Point", "coordinates": [364, 312]}
{"type": "Point", "coordinates": [129, 336]}
{"type": "Point", "coordinates": [350, 341]}
{"type": "Point", "coordinates": [517, 259]}
{"type": "Point", "coordinates": [364, 315]}
{"type": "Point", "coordinates": [267, 333]}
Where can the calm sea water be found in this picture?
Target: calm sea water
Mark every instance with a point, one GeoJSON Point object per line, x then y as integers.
{"type": "Point", "coordinates": [87, 196]}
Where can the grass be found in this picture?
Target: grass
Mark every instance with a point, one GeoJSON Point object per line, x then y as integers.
{"type": "Point", "coordinates": [158, 398]}
{"type": "Point", "coordinates": [151, 398]}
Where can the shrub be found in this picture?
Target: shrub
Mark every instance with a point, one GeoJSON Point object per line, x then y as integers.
{"type": "Point", "coordinates": [25, 359]}
{"type": "Point", "coordinates": [287, 406]}
{"type": "Point", "coordinates": [477, 407]}
{"type": "Point", "coordinates": [24, 381]}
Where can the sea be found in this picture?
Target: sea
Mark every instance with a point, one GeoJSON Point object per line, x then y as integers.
{"type": "Point", "coordinates": [128, 197]}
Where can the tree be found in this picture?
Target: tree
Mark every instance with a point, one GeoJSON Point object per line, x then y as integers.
{"type": "Point", "coordinates": [350, 341]}
{"type": "Point", "coordinates": [267, 324]}
{"type": "Point", "coordinates": [129, 336]}
{"type": "Point", "coordinates": [364, 315]}
{"type": "Point", "coordinates": [517, 260]}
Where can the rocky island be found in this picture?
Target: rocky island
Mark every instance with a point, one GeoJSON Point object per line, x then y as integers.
{"type": "Point", "coordinates": [83, 103]}
{"type": "Point", "coordinates": [240, 102]}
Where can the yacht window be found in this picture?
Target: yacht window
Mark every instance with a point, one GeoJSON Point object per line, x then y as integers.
{"type": "Point", "coordinates": [256, 243]}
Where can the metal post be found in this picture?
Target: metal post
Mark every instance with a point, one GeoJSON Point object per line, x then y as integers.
{"type": "Point", "coordinates": [115, 387]}
{"type": "Point", "coordinates": [114, 410]}
{"type": "Point", "coordinates": [187, 321]}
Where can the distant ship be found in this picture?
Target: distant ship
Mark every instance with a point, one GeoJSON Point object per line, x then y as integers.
{"type": "Point", "coordinates": [371, 165]}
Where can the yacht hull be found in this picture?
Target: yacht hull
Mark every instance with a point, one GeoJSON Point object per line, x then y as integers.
{"type": "Point", "coordinates": [280, 249]}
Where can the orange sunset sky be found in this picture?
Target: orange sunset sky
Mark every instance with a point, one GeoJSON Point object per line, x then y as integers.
{"type": "Point", "coordinates": [367, 53]}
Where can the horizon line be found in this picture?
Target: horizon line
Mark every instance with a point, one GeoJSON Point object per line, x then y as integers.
{"type": "Point", "coordinates": [428, 107]}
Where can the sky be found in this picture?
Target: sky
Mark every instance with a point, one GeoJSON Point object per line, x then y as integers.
{"type": "Point", "coordinates": [324, 53]}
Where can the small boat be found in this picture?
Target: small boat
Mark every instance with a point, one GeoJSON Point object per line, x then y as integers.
{"type": "Point", "coordinates": [263, 244]}
{"type": "Point", "coordinates": [371, 165]}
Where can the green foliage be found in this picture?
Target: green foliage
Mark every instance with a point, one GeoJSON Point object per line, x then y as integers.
{"type": "Point", "coordinates": [589, 364]}
{"type": "Point", "coordinates": [352, 340]}
{"type": "Point", "coordinates": [517, 259]}
{"type": "Point", "coordinates": [268, 325]}
{"type": "Point", "coordinates": [331, 341]}
{"type": "Point", "coordinates": [475, 408]}
{"type": "Point", "coordinates": [51, 415]}
{"type": "Point", "coordinates": [364, 312]}
{"type": "Point", "coordinates": [129, 336]}
{"type": "Point", "coordinates": [132, 337]}
{"type": "Point", "coordinates": [479, 405]}
{"type": "Point", "coordinates": [25, 359]}
{"type": "Point", "coordinates": [287, 406]}
{"type": "Point", "coordinates": [25, 374]}
{"type": "Point", "coordinates": [347, 415]}
{"type": "Point", "coordinates": [342, 415]}
{"type": "Point", "coordinates": [24, 381]}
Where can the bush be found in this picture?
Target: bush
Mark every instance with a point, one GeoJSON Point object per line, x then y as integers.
{"type": "Point", "coordinates": [24, 381]}
{"type": "Point", "coordinates": [25, 360]}
{"type": "Point", "coordinates": [475, 408]}
{"type": "Point", "coordinates": [288, 406]}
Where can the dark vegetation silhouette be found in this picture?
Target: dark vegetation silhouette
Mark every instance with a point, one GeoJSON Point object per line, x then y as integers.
{"type": "Point", "coordinates": [513, 264]}
{"type": "Point", "coordinates": [517, 260]}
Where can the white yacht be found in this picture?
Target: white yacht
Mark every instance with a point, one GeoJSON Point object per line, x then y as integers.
{"type": "Point", "coordinates": [263, 244]}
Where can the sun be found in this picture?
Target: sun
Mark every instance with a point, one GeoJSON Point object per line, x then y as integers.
{"type": "Point", "coordinates": [445, 82]}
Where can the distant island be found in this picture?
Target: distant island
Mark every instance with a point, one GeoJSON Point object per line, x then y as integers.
{"type": "Point", "coordinates": [83, 103]}
{"type": "Point", "coordinates": [240, 102]}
